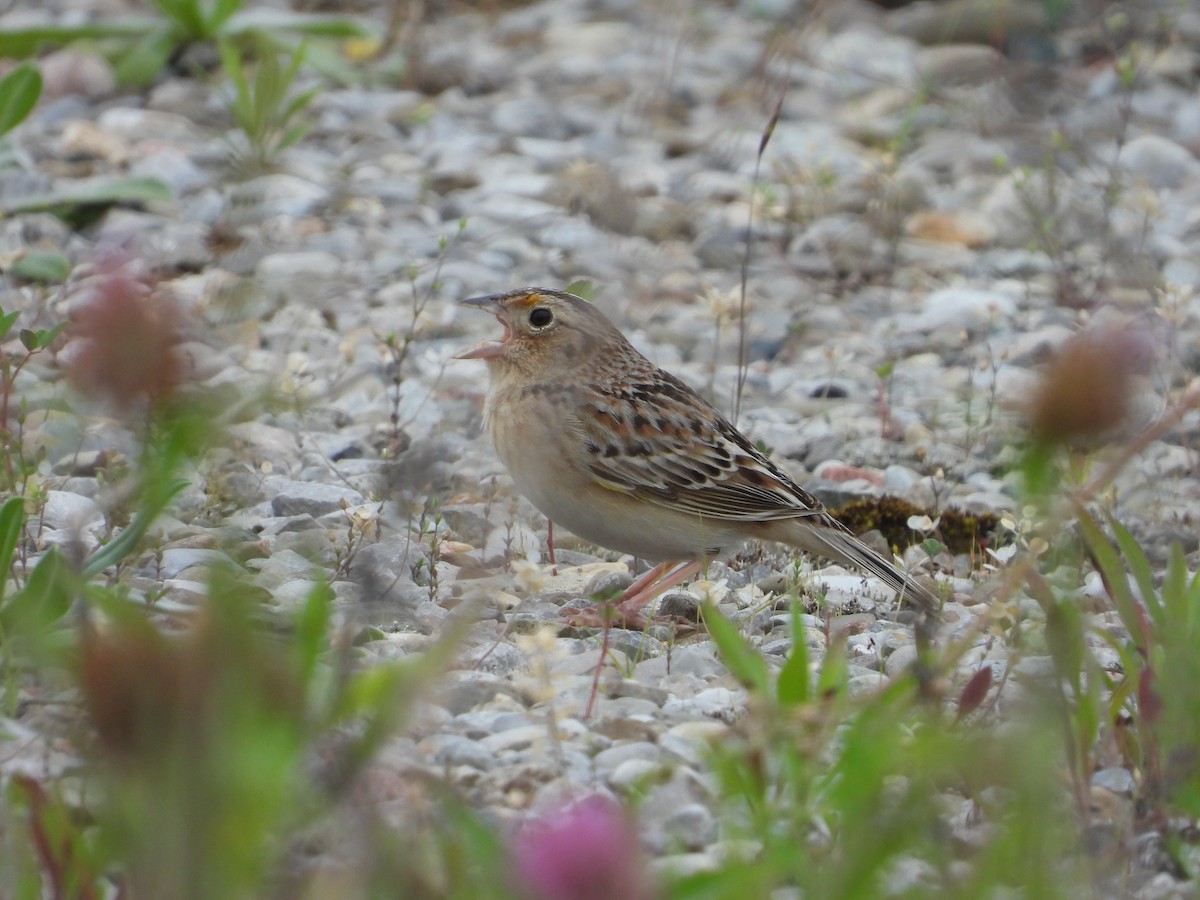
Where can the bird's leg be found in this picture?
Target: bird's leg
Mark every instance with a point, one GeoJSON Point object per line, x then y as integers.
{"type": "Point", "coordinates": [642, 584]}
{"type": "Point", "coordinates": [648, 577]}
{"type": "Point", "coordinates": [627, 611]}
{"type": "Point", "coordinates": [655, 582]}
{"type": "Point", "coordinates": [550, 546]}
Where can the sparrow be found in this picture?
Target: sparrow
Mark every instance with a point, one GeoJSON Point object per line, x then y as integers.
{"type": "Point", "coordinates": [629, 457]}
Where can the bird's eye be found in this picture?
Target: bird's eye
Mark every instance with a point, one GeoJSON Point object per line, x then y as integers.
{"type": "Point", "coordinates": [540, 317]}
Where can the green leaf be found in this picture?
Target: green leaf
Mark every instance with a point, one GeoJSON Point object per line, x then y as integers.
{"type": "Point", "coordinates": [1038, 466]}
{"type": "Point", "coordinates": [41, 266]}
{"type": "Point", "coordinates": [582, 288]}
{"type": "Point", "coordinates": [21, 43]}
{"type": "Point", "coordinates": [1139, 566]}
{"type": "Point", "coordinates": [312, 628]}
{"type": "Point", "coordinates": [19, 92]}
{"type": "Point", "coordinates": [1115, 579]}
{"type": "Point", "coordinates": [6, 323]}
{"type": "Point", "coordinates": [44, 599]}
{"type": "Point", "coordinates": [298, 103]}
{"type": "Point", "coordinates": [44, 336]}
{"type": "Point", "coordinates": [1176, 612]}
{"type": "Point", "coordinates": [231, 62]}
{"type": "Point", "coordinates": [186, 16]}
{"type": "Point", "coordinates": [835, 669]}
{"type": "Point", "coordinates": [12, 517]}
{"type": "Point", "coordinates": [1064, 639]}
{"type": "Point", "coordinates": [275, 21]}
{"type": "Point", "coordinates": [793, 685]}
{"type": "Point", "coordinates": [140, 65]}
{"type": "Point", "coordinates": [294, 64]}
{"type": "Point", "coordinates": [94, 192]}
{"type": "Point", "coordinates": [121, 546]}
{"type": "Point", "coordinates": [220, 14]}
{"type": "Point", "coordinates": [745, 663]}
{"type": "Point", "coordinates": [28, 339]}
{"type": "Point", "coordinates": [291, 136]}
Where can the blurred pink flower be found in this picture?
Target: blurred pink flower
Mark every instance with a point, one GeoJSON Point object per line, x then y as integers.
{"type": "Point", "coordinates": [1087, 388]}
{"type": "Point", "coordinates": [586, 851]}
{"type": "Point", "coordinates": [125, 336]}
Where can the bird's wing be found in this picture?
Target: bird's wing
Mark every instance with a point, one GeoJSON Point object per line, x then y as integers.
{"type": "Point", "coordinates": [654, 438]}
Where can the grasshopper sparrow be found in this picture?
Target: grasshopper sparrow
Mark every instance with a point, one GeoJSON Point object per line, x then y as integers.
{"type": "Point", "coordinates": [629, 457]}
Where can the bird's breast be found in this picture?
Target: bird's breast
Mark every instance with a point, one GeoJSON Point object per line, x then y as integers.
{"type": "Point", "coordinates": [538, 443]}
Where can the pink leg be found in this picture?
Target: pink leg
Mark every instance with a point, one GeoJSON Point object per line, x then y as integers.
{"type": "Point", "coordinates": [550, 546]}
{"type": "Point", "coordinates": [644, 579]}
{"type": "Point", "coordinates": [627, 613]}
{"type": "Point", "coordinates": [646, 589]}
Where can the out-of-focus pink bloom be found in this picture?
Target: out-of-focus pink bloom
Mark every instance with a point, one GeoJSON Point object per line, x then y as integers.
{"type": "Point", "coordinates": [1086, 389]}
{"type": "Point", "coordinates": [585, 851]}
{"type": "Point", "coordinates": [125, 338]}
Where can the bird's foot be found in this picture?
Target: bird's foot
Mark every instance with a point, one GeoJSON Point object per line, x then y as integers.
{"type": "Point", "coordinates": [607, 617]}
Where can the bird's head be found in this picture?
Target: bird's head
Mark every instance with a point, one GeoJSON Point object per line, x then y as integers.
{"type": "Point", "coordinates": [545, 331]}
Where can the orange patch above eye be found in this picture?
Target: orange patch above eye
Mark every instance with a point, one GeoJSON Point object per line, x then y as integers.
{"type": "Point", "coordinates": [527, 300]}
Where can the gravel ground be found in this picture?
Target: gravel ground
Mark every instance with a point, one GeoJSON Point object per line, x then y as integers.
{"type": "Point", "coordinates": [932, 218]}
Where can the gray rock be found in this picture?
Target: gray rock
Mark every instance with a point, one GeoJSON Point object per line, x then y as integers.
{"type": "Point", "coordinates": [1117, 780]}
{"type": "Point", "coordinates": [68, 511]}
{"type": "Point", "coordinates": [450, 750]}
{"type": "Point", "coordinates": [607, 761]}
{"type": "Point", "coordinates": [1159, 162]}
{"type": "Point", "coordinates": [634, 774]}
{"type": "Point", "coordinates": [963, 309]}
{"type": "Point", "coordinates": [174, 168]}
{"type": "Point", "coordinates": [176, 560]}
{"type": "Point", "coordinates": [298, 498]}
{"type": "Point", "coordinates": [268, 196]}
{"type": "Point", "coordinates": [694, 659]}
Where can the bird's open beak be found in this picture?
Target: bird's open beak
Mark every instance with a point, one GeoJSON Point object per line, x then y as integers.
{"type": "Point", "coordinates": [492, 348]}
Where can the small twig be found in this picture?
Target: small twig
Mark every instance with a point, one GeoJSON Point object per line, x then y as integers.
{"type": "Point", "coordinates": [762, 148]}
{"type": "Point", "coordinates": [591, 702]}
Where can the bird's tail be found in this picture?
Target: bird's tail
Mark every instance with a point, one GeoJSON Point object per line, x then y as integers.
{"type": "Point", "coordinates": [832, 542]}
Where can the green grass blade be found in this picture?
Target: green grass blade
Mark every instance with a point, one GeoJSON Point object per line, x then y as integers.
{"type": "Point", "coordinates": [148, 57]}
{"type": "Point", "coordinates": [312, 628]}
{"type": "Point", "coordinates": [186, 16]}
{"type": "Point", "coordinates": [291, 136]}
{"type": "Point", "coordinates": [6, 322]}
{"type": "Point", "coordinates": [1139, 567]}
{"type": "Point", "coordinates": [745, 663]}
{"type": "Point", "coordinates": [1174, 609]}
{"type": "Point", "coordinates": [242, 106]}
{"type": "Point", "coordinates": [835, 670]}
{"type": "Point", "coordinates": [1115, 578]}
{"type": "Point", "coordinates": [12, 518]}
{"type": "Point", "coordinates": [121, 546]}
{"type": "Point", "coordinates": [220, 14]}
{"type": "Point", "coordinates": [19, 92]}
{"type": "Point", "coordinates": [22, 43]}
{"type": "Point", "coordinates": [44, 599]}
{"type": "Point", "coordinates": [793, 686]}
{"type": "Point", "coordinates": [277, 21]}
{"type": "Point", "coordinates": [93, 192]}
{"type": "Point", "coordinates": [1193, 605]}
{"type": "Point", "coordinates": [41, 266]}
{"type": "Point", "coordinates": [298, 103]}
